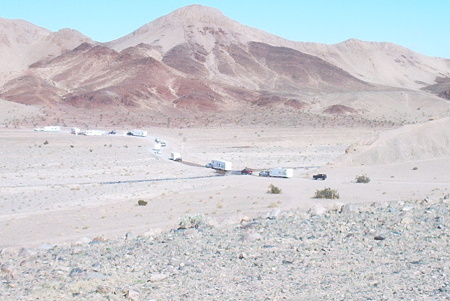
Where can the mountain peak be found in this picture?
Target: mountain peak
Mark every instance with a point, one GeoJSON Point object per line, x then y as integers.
{"type": "Point", "coordinates": [196, 13]}
{"type": "Point", "coordinates": [184, 23]}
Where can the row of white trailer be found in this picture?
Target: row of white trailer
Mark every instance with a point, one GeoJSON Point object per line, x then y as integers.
{"type": "Point", "coordinates": [77, 131]}
{"type": "Point", "coordinates": [279, 172]}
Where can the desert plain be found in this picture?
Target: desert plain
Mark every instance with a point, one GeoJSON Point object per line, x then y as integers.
{"type": "Point", "coordinates": [58, 188]}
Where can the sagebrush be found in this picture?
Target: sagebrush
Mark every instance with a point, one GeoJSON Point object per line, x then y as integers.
{"type": "Point", "coordinates": [193, 221]}
{"type": "Point", "coordinates": [362, 179]}
{"type": "Point", "coordinates": [327, 193]}
{"type": "Point", "coordinates": [273, 189]}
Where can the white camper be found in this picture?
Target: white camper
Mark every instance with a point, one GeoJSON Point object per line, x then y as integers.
{"type": "Point", "coordinates": [175, 156]}
{"type": "Point", "coordinates": [75, 131]}
{"type": "Point", "coordinates": [220, 165]}
{"type": "Point", "coordinates": [139, 133]}
{"type": "Point", "coordinates": [281, 172]}
{"type": "Point", "coordinates": [51, 128]}
{"type": "Point", "coordinates": [92, 132]}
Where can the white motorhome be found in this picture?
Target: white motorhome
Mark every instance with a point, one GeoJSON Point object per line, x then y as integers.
{"type": "Point", "coordinates": [220, 165]}
{"type": "Point", "coordinates": [139, 133]}
{"type": "Point", "coordinates": [281, 172]}
{"type": "Point", "coordinates": [175, 156]}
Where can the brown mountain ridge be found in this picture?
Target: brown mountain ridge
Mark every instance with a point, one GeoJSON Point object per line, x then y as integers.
{"type": "Point", "coordinates": [197, 60]}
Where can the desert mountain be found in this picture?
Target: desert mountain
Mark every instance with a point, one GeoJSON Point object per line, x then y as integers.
{"type": "Point", "coordinates": [375, 62]}
{"type": "Point", "coordinates": [197, 59]}
{"type": "Point", "coordinates": [23, 43]}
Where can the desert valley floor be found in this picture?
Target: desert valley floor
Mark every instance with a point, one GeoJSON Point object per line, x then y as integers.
{"type": "Point", "coordinates": [107, 218]}
{"type": "Point", "coordinates": [59, 188]}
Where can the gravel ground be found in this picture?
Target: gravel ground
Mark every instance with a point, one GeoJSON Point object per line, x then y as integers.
{"type": "Point", "coordinates": [383, 251]}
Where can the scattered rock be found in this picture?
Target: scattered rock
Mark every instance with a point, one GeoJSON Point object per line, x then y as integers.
{"type": "Point", "coordinates": [264, 256]}
{"type": "Point", "coordinates": [152, 232]}
{"type": "Point", "coordinates": [317, 210]}
{"type": "Point", "coordinates": [132, 295]}
{"type": "Point", "coordinates": [274, 213]}
{"type": "Point", "coordinates": [105, 289]}
{"type": "Point", "coordinates": [407, 221]}
{"type": "Point", "coordinates": [348, 208]}
{"type": "Point", "coordinates": [46, 246]}
{"type": "Point", "coordinates": [129, 236]}
{"type": "Point", "coordinates": [251, 236]}
{"type": "Point", "coordinates": [75, 272]}
{"type": "Point", "coordinates": [158, 277]}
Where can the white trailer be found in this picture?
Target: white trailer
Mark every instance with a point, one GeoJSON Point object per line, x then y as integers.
{"type": "Point", "coordinates": [220, 165]}
{"type": "Point", "coordinates": [139, 133]}
{"type": "Point", "coordinates": [49, 129]}
{"type": "Point", "coordinates": [281, 172]}
{"type": "Point", "coordinates": [175, 156]}
{"type": "Point", "coordinates": [75, 131]}
{"type": "Point", "coordinates": [92, 132]}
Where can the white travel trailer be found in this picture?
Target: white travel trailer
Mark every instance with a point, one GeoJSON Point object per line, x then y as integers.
{"type": "Point", "coordinates": [48, 129]}
{"type": "Point", "coordinates": [52, 128]}
{"type": "Point", "coordinates": [175, 156]}
{"type": "Point", "coordinates": [281, 172]}
{"type": "Point", "coordinates": [139, 133]}
{"type": "Point", "coordinates": [220, 165]}
{"type": "Point", "coordinates": [75, 131]}
{"type": "Point", "coordinates": [92, 132]}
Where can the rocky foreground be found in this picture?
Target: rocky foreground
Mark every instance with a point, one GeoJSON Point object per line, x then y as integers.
{"type": "Point", "coordinates": [390, 251]}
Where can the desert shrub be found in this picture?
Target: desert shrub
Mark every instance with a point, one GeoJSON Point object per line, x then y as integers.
{"type": "Point", "coordinates": [45, 142]}
{"type": "Point", "coordinates": [362, 179]}
{"type": "Point", "coordinates": [142, 203]}
{"type": "Point", "coordinates": [326, 193]}
{"type": "Point", "coordinates": [273, 189]}
{"type": "Point", "coordinates": [415, 168]}
{"type": "Point", "coordinates": [192, 221]}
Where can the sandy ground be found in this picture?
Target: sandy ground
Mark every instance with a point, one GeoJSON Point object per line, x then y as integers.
{"type": "Point", "coordinates": [58, 188]}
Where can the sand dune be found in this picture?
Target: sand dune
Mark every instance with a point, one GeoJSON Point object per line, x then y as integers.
{"type": "Point", "coordinates": [416, 142]}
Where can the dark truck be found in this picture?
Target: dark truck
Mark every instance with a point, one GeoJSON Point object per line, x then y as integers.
{"type": "Point", "coordinates": [320, 176]}
{"type": "Point", "coordinates": [246, 171]}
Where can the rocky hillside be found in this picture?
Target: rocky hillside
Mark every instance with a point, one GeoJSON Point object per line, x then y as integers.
{"type": "Point", "coordinates": [390, 251]}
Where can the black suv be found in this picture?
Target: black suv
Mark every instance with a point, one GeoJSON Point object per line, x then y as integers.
{"type": "Point", "coordinates": [320, 176]}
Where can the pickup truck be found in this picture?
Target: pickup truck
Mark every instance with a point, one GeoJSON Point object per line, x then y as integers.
{"type": "Point", "coordinates": [246, 171]}
{"type": "Point", "coordinates": [320, 176]}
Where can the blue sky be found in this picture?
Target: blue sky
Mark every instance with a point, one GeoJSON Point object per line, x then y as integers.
{"type": "Point", "coordinates": [420, 25]}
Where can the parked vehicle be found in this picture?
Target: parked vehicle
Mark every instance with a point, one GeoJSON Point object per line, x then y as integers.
{"type": "Point", "coordinates": [264, 173]}
{"type": "Point", "coordinates": [320, 176]}
{"type": "Point", "coordinates": [139, 133]}
{"type": "Point", "coordinates": [92, 132]}
{"type": "Point", "coordinates": [175, 157]}
{"type": "Point", "coordinates": [48, 129]}
{"type": "Point", "coordinates": [278, 172]}
{"type": "Point", "coordinates": [246, 171]}
{"type": "Point", "coordinates": [220, 165]}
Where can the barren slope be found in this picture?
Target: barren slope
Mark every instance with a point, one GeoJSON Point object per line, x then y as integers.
{"type": "Point", "coordinates": [23, 43]}
{"type": "Point", "coordinates": [430, 140]}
